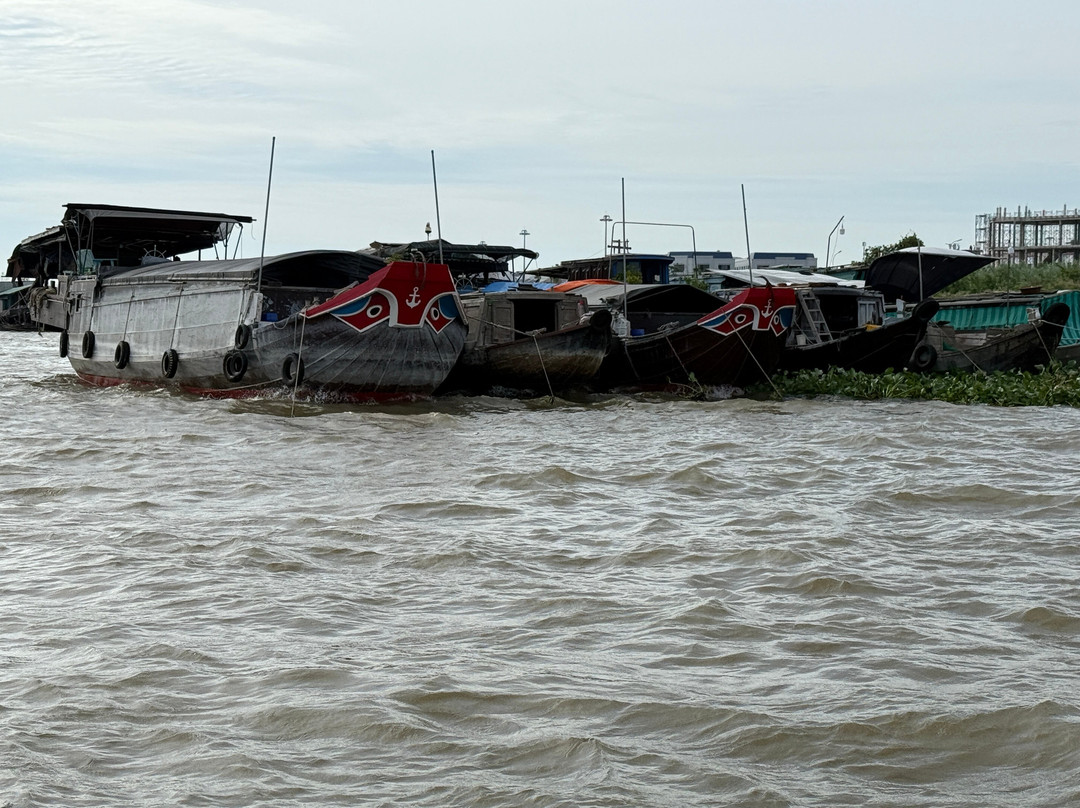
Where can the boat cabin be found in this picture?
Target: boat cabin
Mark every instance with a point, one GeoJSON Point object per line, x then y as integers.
{"type": "Point", "coordinates": [519, 313]}
{"type": "Point", "coordinates": [103, 239]}
{"type": "Point", "coordinates": [637, 267]}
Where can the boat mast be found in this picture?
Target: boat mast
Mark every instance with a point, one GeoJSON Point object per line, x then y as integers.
{"type": "Point", "coordinates": [626, 307]}
{"type": "Point", "coordinates": [746, 227]}
{"type": "Point", "coordinates": [266, 216]}
{"type": "Point", "coordinates": [438, 223]}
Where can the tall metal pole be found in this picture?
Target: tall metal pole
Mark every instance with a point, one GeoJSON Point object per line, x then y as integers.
{"type": "Point", "coordinates": [524, 260]}
{"type": "Point", "coordinates": [438, 222]}
{"type": "Point", "coordinates": [919, 245]}
{"type": "Point", "coordinates": [626, 308]}
{"type": "Point", "coordinates": [746, 227]}
{"type": "Point", "coordinates": [605, 219]}
{"type": "Point", "coordinates": [266, 216]}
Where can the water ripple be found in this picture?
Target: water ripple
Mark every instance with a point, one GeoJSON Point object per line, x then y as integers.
{"type": "Point", "coordinates": [600, 601]}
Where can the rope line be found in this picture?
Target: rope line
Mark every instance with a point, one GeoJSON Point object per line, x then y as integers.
{"type": "Point", "coordinates": [299, 364]}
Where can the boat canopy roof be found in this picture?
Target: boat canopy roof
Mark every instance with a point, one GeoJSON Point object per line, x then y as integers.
{"type": "Point", "coordinates": [915, 273]}
{"type": "Point", "coordinates": [124, 235]}
{"type": "Point", "coordinates": [322, 269]}
{"type": "Point", "coordinates": [463, 259]}
{"type": "Point", "coordinates": [778, 277]}
{"type": "Point", "coordinates": [656, 297]}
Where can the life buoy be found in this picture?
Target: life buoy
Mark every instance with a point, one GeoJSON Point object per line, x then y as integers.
{"type": "Point", "coordinates": [87, 344]}
{"type": "Point", "coordinates": [170, 361]}
{"type": "Point", "coordinates": [122, 354]}
{"type": "Point", "coordinates": [63, 343]}
{"type": "Point", "coordinates": [292, 369]}
{"type": "Point", "coordinates": [234, 365]}
{"type": "Point", "coordinates": [243, 336]}
{"type": "Point", "coordinates": [923, 357]}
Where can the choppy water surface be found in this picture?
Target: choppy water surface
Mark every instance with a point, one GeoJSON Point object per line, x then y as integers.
{"type": "Point", "coordinates": [483, 602]}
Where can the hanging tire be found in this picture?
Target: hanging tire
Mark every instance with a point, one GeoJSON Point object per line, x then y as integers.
{"type": "Point", "coordinates": [923, 357]}
{"type": "Point", "coordinates": [234, 365]}
{"type": "Point", "coordinates": [87, 344]}
{"type": "Point", "coordinates": [63, 343]}
{"type": "Point", "coordinates": [292, 369]}
{"type": "Point", "coordinates": [243, 336]}
{"type": "Point", "coordinates": [122, 355]}
{"type": "Point", "coordinates": [170, 361]}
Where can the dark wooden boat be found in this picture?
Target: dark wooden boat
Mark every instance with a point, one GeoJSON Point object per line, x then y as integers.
{"type": "Point", "coordinates": [1022, 347]}
{"type": "Point", "coordinates": [326, 322]}
{"type": "Point", "coordinates": [839, 322]}
{"type": "Point", "coordinates": [15, 306]}
{"type": "Point", "coordinates": [673, 342]}
{"type": "Point", "coordinates": [529, 340]}
{"type": "Point", "coordinates": [848, 328]}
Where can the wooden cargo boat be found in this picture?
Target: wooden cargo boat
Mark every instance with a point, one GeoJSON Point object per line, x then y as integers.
{"type": "Point", "coordinates": [839, 323]}
{"type": "Point", "coordinates": [848, 328]}
{"type": "Point", "coordinates": [681, 335]}
{"type": "Point", "coordinates": [325, 322]}
{"type": "Point", "coordinates": [523, 337]}
{"type": "Point", "coordinates": [530, 340]}
{"type": "Point", "coordinates": [1021, 347]}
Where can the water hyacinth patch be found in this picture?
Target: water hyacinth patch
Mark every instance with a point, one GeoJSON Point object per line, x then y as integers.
{"type": "Point", "coordinates": [1057, 384]}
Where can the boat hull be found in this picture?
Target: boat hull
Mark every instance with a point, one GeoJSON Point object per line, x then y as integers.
{"type": "Point", "coordinates": [870, 350]}
{"type": "Point", "coordinates": [737, 344]}
{"type": "Point", "coordinates": [207, 336]}
{"type": "Point", "coordinates": [547, 362]}
{"type": "Point", "coordinates": [1024, 347]}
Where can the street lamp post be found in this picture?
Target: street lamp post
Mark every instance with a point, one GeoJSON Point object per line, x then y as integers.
{"type": "Point", "coordinates": [524, 261]}
{"type": "Point", "coordinates": [828, 244]}
{"type": "Point", "coordinates": [605, 219]}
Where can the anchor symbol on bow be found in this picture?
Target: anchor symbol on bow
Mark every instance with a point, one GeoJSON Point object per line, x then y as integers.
{"type": "Point", "coordinates": [413, 300]}
{"type": "Point", "coordinates": [768, 308]}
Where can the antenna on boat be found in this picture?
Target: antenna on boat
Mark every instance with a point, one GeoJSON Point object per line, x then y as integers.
{"type": "Point", "coordinates": [626, 308]}
{"type": "Point", "coordinates": [438, 223]}
{"type": "Point", "coordinates": [266, 215]}
{"type": "Point", "coordinates": [746, 227]}
{"type": "Point", "coordinates": [918, 244]}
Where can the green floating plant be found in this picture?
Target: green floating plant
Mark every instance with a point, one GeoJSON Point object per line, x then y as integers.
{"type": "Point", "coordinates": [1056, 384]}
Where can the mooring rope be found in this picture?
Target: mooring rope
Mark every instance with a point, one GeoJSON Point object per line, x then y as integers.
{"type": "Point", "coordinates": [536, 344]}
{"type": "Point", "coordinates": [299, 364]}
{"type": "Point", "coordinates": [761, 367]}
{"type": "Point", "coordinates": [1038, 330]}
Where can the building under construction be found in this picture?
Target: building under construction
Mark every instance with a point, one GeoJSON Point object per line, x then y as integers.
{"type": "Point", "coordinates": [1026, 236]}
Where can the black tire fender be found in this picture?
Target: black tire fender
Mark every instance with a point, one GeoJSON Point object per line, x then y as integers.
{"type": "Point", "coordinates": [234, 365]}
{"type": "Point", "coordinates": [87, 344]}
{"type": "Point", "coordinates": [292, 369]}
{"type": "Point", "coordinates": [64, 343]}
{"type": "Point", "coordinates": [122, 354]}
{"type": "Point", "coordinates": [170, 361]}
{"type": "Point", "coordinates": [923, 357]}
{"type": "Point", "coordinates": [243, 336]}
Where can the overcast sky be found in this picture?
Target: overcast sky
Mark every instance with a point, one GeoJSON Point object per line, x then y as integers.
{"type": "Point", "coordinates": [901, 117]}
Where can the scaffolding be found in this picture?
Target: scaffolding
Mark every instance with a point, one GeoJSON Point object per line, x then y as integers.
{"type": "Point", "coordinates": [1026, 236]}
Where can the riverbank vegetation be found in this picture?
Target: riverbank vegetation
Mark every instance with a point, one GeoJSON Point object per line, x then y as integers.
{"type": "Point", "coordinates": [1047, 278]}
{"type": "Point", "coordinates": [1058, 384]}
